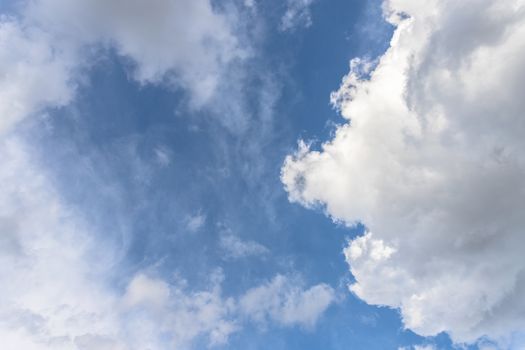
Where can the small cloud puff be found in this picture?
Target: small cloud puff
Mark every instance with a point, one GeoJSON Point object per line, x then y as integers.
{"type": "Point", "coordinates": [235, 248]}
{"type": "Point", "coordinates": [298, 14]}
{"type": "Point", "coordinates": [195, 222]}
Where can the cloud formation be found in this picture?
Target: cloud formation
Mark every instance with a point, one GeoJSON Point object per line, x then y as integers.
{"type": "Point", "coordinates": [159, 315]}
{"type": "Point", "coordinates": [60, 288]}
{"type": "Point", "coordinates": [33, 74]}
{"type": "Point", "coordinates": [282, 300]}
{"type": "Point", "coordinates": [58, 291]}
{"type": "Point", "coordinates": [187, 45]}
{"type": "Point", "coordinates": [195, 222]}
{"type": "Point", "coordinates": [236, 248]}
{"type": "Point", "coordinates": [52, 272]}
{"type": "Point", "coordinates": [297, 15]}
{"type": "Point", "coordinates": [431, 161]}
{"type": "Point", "coordinates": [419, 347]}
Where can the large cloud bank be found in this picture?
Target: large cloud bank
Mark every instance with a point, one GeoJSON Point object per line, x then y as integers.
{"type": "Point", "coordinates": [431, 161]}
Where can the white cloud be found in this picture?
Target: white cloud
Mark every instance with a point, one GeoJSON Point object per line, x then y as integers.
{"type": "Point", "coordinates": [143, 290]}
{"type": "Point", "coordinates": [250, 4]}
{"type": "Point", "coordinates": [184, 44]}
{"type": "Point", "coordinates": [419, 347]}
{"type": "Point", "coordinates": [282, 300]}
{"type": "Point", "coordinates": [159, 315]}
{"type": "Point", "coordinates": [236, 248]}
{"type": "Point", "coordinates": [56, 275]}
{"type": "Point", "coordinates": [51, 271]}
{"type": "Point", "coordinates": [195, 222]}
{"type": "Point", "coordinates": [187, 43]}
{"type": "Point", "coordinates": [33, 74]}
{"type": "Point", "coordinates": [55, 269]}
{"type": "Point", "coordinates": [431, 161]}
{"type": "Point", "coordinates": [297, 14]}
{"type": "Point", "coordinates": [162, 156]}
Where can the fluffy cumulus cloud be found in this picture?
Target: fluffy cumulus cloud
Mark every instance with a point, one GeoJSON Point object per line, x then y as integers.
{"type": "Point", "coordinates": [185, 44]}
{"type": "Point", "coordinates": [431, 161]}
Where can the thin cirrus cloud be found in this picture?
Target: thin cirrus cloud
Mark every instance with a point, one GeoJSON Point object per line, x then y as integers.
{"type": "Point", "coordinates": [431, 161]}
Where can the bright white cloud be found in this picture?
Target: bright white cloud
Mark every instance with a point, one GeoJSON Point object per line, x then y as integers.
{"type": "Point", "coordinates": [159, 315]}
{"type": "Point", "coordinates": [51, 271]}
{"type": "Point", "coordinates": [282, 300]}
{"type": "Point", "coordinates": [297, 14]}
{"type": "Point", "coordinates": [431, 161]}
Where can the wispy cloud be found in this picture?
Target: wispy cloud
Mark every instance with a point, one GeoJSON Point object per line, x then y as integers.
{"type": "Point", "coordinates": [235, 248]}
{"type": "Point", "coordinates": [195, 222]}
{"type": "Point", "coordinates": [297, 14]}
{"type": "Point", "coordinates": [282, 300]}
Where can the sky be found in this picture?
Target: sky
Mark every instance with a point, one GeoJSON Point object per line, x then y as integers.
{"type": "Point", "coordinates": [249, 174]}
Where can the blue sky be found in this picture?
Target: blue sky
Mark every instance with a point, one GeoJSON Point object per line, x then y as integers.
{"type": "Point", "coordinates": [164, 175]}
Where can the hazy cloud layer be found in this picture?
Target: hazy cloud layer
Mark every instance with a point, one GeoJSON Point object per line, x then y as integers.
{"type": "Point", "coordinates": [431, 161]}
